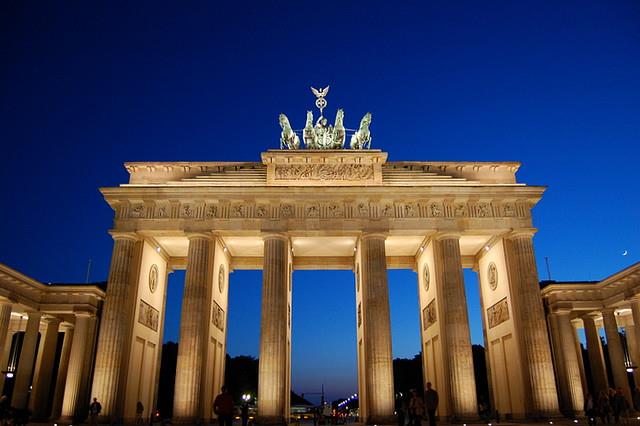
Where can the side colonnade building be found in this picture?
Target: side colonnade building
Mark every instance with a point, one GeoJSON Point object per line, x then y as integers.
{"type": "Point", "coordinates": [611, 305]}
{"type": "Point", "coordinates": [48, 335]}
{"type": "Point", "coordinates": [313, 209]}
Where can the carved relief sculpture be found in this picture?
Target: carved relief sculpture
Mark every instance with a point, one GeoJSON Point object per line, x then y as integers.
{"type": "Point", "coordinates": [492, 276]}
{"type": "Point", "coordinates": [218, 316]}
{"type": "Point", "coordinates": [387, 211]}
{"type": "Point", "coordinates": [324, 172]}
{"type": "Point", "coordinates": [221, 278]}
{"type": "Point", "coordinates": [498, 313]}
{"type": "Point", "coordinates": [211, 212]}
{"type": "Point", "coordinates": [435, 210]}
{"type": "Point", "coordinates": [137, 211]}
{"type": "Point", "coordinates": [148, 315]}
{"type": "Point", "coordinates": [153, 278]}
{"type": "Point", "coordinates": [261, 211]}
{"type": "Point", "coordinates": [429, 316]}
{"type": "Point", "coordinates": [426, 276]}
{"type": "Point", "coordinates": [287, 211]}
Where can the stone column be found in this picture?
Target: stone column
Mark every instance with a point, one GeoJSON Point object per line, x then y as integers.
{"type": "Point", "coordinates": [115, 326]}
{"type": "Point", "coordinates": [568, 367]}
{"type": "Point", "coordinates": [76, 400]}
{"type": "Point", "coordinates": [616, 352]}
{"type": "Point", "coordinates": [530, 319]}
{"type": "Point", "coordinates": [193, 329]}
{"type": "Point", "coordinates": [596, 358]}
{"type": "Point", "coordinates": [272, 370]}
{"type": "Point", "coordinates": [455, 327]}
{"type": "Point", "coordinates": [634, 349]}
{"type": "Point", "coordinates": [5, 322]}
{"type": "Point", "coordinates": [635, 312]}
{"type": "Point", "coordinates": [25, 363]}
{"type": "Point", "coordinates": [42, 379]}
{"type": "Point", "coordinates": [583, 376]}
{"type": "Point", "coordinates": [61, 380]}
{"type": "Point", "coordinates": [377, 330]}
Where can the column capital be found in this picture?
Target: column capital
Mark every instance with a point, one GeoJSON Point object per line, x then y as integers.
{"type": "Point", "coordinates": [608, 311]}
{"type": "Point", "coordinates": [66, 326]}
{"type": "Point", "coordinates": [561, 310]}
{"type": "Point", "coordinates": [83, 313]}
{"type": "Point", "coordinates": [378, 235]}
{"type": "Point", "coordinates": [592, 316]}
{"type": "Point", "coordinates": [521, 233]}
{"type": "Point", "coordinates": [50, 319]}
{"type": "Point", "coordinates": [199, 235]}
{"type": "Point", "coordinates": [439, 236]}
{"type": "Point", "coordinates": [275, 236]}
{"type": "Point", "coordinates": [120, 235]}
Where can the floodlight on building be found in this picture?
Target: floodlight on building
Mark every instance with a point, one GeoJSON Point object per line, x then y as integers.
{"type": "Point", "coordinates": [158, 249]}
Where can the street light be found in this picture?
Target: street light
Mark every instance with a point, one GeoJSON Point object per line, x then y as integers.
{"type": "Point", "coordinates": [246, 397]}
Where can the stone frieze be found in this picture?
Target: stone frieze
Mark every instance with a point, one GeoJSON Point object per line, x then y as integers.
{"type": "Point", "coordinates": [332, 172]}
{"type": "Point", "coordinates": [357, 209]}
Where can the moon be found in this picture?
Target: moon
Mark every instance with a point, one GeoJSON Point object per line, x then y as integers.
{"type": "Point", "coordinates": [624, 253]}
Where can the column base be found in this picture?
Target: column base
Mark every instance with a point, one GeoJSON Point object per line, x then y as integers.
{"type": "Point", "coordinates": [269, 421]}
{"type": "Point", "coordinates": [382, 420]}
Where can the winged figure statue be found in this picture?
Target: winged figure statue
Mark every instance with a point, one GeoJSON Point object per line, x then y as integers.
{"type": "Point", "coordinates": [320, 93]}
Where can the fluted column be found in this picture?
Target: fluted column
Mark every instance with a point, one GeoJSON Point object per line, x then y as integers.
{"type": "Point", "coordinates": [42, 378]}
{"type": "Point", "coordinates": [455, 327]}
{"type": "Point", "coordinates": [568, 371]}
{"type": "Point", "coordinates": [578, 346]}
{"type": "Point", "coordinates": [25, 363]}
{"type": "Point", "coordinates": [635, 312]}
{"type": "Point", "coordinates": [616, 352]}
{"type": "Point", "coordinates": [115, 325]}
{"type": "Point", "coordinates": [76, 400]}
{"type": "Point", "coordinates": [5, 322]}
{"type": "Point", "coordinates": [634, 349]}
{"type": "Point", "coordinates": [193, 329]}
{"type": "Point", "coordinates": [377, 330]}
{"type": "Point", "coordinates": [537, 361]}
{"type": "Point", "coordinates": [63, 368]}
{"type": "Point", "coordinates": [272, 369]}
{"type": "Point", "coordinates": [596, 357]}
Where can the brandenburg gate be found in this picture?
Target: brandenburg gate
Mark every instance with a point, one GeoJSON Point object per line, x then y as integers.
{"type": "Point", "coordinates": [348, 209]}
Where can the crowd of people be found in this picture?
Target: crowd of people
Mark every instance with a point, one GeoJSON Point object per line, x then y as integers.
{"type": "Point", "coordinates": [411, 411]}
{"type": "Point", "coordinates": [610, 405]}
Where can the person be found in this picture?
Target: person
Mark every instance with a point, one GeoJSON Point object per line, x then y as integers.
{"type": "Point", "coordinates": [94, 411]}
{"type": "Point", "coordinates": [590, 410]}
{"type": "Point", "coordinates": [431, 402]}
{"type": "Point", "coordinates": [223, 407]}
{"type": "Point", "coordinates": [4, 409]}
{"type": "Point", "coordinates": [139, 411]}
{"type": "Point", "coordinates": [603, 408]}
{"type": "Point", "coordinates": [244, 414]}
{"type": "Point", "coordinates": [416, 408]}
{"type": "Point", "coordinates": [401, 409]}
{"type": "Point", "coordinates": [620, 406]}
{"type": "Point", "coordinates": [636, 399]}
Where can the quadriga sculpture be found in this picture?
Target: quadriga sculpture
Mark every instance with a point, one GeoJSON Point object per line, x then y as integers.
{"type": "Point", "coordinates": [362, 138]}
{"type": "Point", "coordinates": [288, 138]}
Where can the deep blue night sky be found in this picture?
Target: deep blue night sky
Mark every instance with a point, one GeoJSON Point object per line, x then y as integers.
{"type": "Point", "coordinates": [86, 86]}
